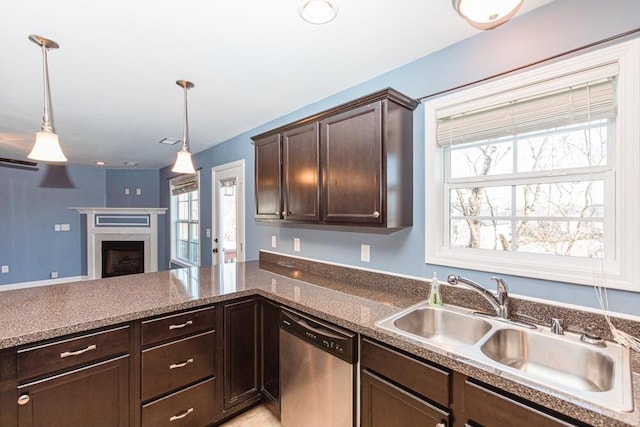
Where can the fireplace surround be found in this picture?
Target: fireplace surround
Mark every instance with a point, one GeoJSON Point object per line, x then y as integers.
{"type": "Point", "coordinates": [121, 225]}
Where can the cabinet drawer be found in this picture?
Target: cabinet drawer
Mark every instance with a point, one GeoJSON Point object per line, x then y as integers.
{"type": "Point", "coordinates": [63, 354]}
{"type": "Point", "coordinates": [384, 404]}
{"type": "Point", "coordinates": [170, 366]}
{"type": "Point", "coordinates": [429, 381]}
{"type": "Point", "coordinates": [490, 409]}
{"type": "Point", "coordinates": [177, 325]}
{"type": "Point", "coordinates": [192, 406]}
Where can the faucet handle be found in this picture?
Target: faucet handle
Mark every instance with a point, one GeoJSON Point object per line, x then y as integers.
{"type": "Point", "coordinates": [503, 290]}
{"type": "Point", "coordinates": [557, 326]}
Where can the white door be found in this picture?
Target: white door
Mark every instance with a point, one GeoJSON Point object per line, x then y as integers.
{"type": "Point", "coordinates": [227, 241]}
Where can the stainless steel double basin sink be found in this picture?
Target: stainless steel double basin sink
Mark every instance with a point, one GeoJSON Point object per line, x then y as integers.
{"type": "Point", "coordinates": [596, 375]}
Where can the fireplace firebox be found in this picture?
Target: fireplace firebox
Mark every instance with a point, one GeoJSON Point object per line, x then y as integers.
{"type": "Point", "coordinates": [120, 258]}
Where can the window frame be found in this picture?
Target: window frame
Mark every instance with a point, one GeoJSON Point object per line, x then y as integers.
{"type": "Point", "coordinates": [619, 273]}
{"type": "Point", "coordinates": [174, 224]}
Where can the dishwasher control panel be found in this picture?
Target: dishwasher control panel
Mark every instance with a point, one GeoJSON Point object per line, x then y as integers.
{"type": "Point", "coordinates": [333, 339]}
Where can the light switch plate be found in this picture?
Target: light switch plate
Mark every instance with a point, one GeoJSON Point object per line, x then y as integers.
{"type": "Point", "coordinates": [273, 241]}
{"type": "Point", "coordinates": [5, 268]}
{"type": "Point", "coordinates": [65, 227]}
{"type": "Point", "coordinates": [365, 253]}
{"type": "Point", "coordinates": [56, 227]}
{"type": "Point", "coordinates": [138, 191]}
{"type": "Point", "coordinates": [296, 244]}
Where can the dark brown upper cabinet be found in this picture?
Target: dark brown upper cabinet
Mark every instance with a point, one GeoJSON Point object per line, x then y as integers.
{"type": "Point", "coordinates": [350, 165]}
{"type": "Point", "coordinates": [301, 173]}
{"type": "Point", "coordinates": [268, 182]}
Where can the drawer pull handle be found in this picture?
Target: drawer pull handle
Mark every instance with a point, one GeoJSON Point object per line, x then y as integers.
{"type": "Point", "coordinates": [76, 353]}
{"type": "Point", "coordinates": [182, 415]}
{"type": "Point", "coordinates": [187, 323]}
{"type": "Point", "coordinates": [180, 365]}
{"type": "Point", "coordinates": [23, 399]}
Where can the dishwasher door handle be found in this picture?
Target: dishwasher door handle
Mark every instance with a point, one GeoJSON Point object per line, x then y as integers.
{"type": "Point", "coordinates": [303, 323]}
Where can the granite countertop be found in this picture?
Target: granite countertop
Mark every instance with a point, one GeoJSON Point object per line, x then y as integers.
{"type": "Point", "coordinates": [38, 313]}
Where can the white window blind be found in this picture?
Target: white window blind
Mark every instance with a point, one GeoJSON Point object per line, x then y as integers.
{"type": "Point", "coordinates": [578, 104]}
{"type": "Point", "coordinates": [184, 184]}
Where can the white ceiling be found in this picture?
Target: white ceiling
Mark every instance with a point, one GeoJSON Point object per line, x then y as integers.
{"type": "Point", "coordinates": [113, 79]}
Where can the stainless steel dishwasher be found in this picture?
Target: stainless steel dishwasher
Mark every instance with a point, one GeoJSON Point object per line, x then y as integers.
{"type": "Point", "coordinates": [317, 372]}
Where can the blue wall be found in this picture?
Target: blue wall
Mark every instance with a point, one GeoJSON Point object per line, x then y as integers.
{"type": "Point", "coordinates": [146, 180]}
{"type": "Point", "coordinates": [31, 203]}
{"type": "Point", "coordinates": [553, 29]}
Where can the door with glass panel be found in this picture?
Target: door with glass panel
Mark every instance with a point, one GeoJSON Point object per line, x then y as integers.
{"type": "Point", "coordinates": [227, 240]}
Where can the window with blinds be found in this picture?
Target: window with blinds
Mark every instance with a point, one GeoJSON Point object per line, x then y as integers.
{"type": "Point", "coordinates": [185, 220]}
{"type": "Point", "coordinates": [531, 170]}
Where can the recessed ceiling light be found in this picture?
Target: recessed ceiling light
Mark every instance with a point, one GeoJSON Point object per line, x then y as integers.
{"type": "Point", "coordinates": [100, 163]}
{"type": "Point", "coordinates": [318, 11]}
{"type": "Point", "coordinates": [169, 141]}
{"type": "Point", "coordinates": [131, 163]}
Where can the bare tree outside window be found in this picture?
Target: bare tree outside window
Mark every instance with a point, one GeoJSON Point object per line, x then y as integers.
{"type": "Point", "coordinates": [541, 192]}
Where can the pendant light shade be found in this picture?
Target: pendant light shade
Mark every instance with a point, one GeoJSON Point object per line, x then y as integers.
{"type": "Point", "coordinates": [46, 148]}
{"type": "Point", "coordinates": [183, 163]}
{"type": "Point", "coordinates": [486, 14]}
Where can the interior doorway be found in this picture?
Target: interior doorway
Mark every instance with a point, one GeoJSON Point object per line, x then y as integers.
{"type": "Point", "coordinates": [227, 240]}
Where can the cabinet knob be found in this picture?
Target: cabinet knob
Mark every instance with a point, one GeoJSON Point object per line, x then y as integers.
{"type": "Point", "coordinates": [376, 214]}
{"type": "Point", "coordinates": [23, 399]}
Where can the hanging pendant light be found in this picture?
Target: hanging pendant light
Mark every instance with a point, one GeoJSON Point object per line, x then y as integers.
{"type": "Point", "coordinates": [184, 164]}
{"type": "Point", "coordinates": [486, 14]}
{"type": "Point", "coordinates": [47, 146]}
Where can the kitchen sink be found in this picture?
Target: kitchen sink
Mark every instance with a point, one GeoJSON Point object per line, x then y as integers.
{"type": "Point", "coordinates": [440, 326]}
{"type": "Point", "coordinates": [552, 360]}
{"type": "Point", "coordinates": [539, 358]}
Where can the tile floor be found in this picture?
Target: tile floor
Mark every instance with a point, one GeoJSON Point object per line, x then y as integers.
{"type": "Point", "coordinates": [259, 416]}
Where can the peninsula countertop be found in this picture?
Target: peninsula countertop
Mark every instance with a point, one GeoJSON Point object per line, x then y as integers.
{"type": "Point", "coordinates": [39, 313]}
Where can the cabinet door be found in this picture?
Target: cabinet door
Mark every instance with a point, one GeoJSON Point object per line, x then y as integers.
{"type": "Point", "coordinates": [487, 408]}
{"type": "Point", "coordinates": [271, 353]}
{"type": "Point", "coordinates": [384, 404]}
{"type": "Point", "coordinates": [301, 173]}
{"type": "Point", "coordinates": [351, 144]}
{"type": "Point", "coordinates": [268, 158]}
{"type": "Point", "coordinates": [241, 352]}
{"type": "Point", "coordinates": [96, 395]}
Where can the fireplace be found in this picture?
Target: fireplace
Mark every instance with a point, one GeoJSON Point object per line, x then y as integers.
{"type": "Point", "coordinates": [120, 227]}
{"type": "Point", "coordinates": [120, 258]}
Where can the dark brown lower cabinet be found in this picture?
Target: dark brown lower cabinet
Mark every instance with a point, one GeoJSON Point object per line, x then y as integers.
{"type": "Point", "coordinates": [384, 404]}
{"type": "Point", "coordinates": [192, 406]}
{"type": "Point", "coordinates": [96, 395]}
{"type": "Point", "coordinates": [270, 315]}
{"type": "Point", "coordinates": [488, 408]}
{"type": "Point", "coordinates": [241, 353]}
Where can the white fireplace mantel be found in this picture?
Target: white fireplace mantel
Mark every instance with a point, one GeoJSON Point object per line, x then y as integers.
{"type": "Point", "coordinates": [121, 224]}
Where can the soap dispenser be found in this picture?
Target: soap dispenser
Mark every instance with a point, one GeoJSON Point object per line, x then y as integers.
{"type": "Point", "coordinates": [434, 294]}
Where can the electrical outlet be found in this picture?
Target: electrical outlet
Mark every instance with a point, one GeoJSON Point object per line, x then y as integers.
{"type": "Point", "coordinates": [5, 268]}
{"type": "Point", "coordinates": [365, 253]}
{"type": "Point", "coordinates": [273, 241]}
{"type": "Point", "coordinates": [296, 244]}
{"type": "Point", "coordinates": [56, 227]}
{"type": "Point", "coordinates": [138, 191]}
{"type": "Point", "coordinates": [65, 227]}
{"type": "Point", "coordinates": [54, 274]}
{"type": "Point", "coordinates": [126, 191]}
